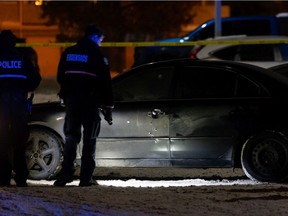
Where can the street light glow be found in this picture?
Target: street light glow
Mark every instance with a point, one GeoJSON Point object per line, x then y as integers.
{"type": "Point", "coordinates": [38, 2]}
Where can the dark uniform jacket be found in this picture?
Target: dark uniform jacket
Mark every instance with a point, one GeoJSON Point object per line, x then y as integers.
{"type": "Point", "coordinates": [84, 70]}
{"type": "Point", "coordinates": [17, 73]}
{"type": "Point", "coordinates": [18, 76]}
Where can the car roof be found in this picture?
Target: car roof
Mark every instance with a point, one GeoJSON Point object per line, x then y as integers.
{"type": "Point", "coordinates": [194, 62]}
{"type": "Point", "coordinates": [281, 69]}
{"type": "Point", "coordinates": [244, 68]}
{"type": "Point", "coordinates": [209, 49]}
{"type": "Point", "coordinates": [245, 37]}
{"type": "Point", "coordinates": [282, 66]}
{"type": "Point", "coordinates": [274, 81]}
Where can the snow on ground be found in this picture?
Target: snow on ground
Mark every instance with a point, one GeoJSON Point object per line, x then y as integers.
{"type": "Point", "coordinates": [148, 197]}
{"type": "Point", "coordinates": [155, 183]}
{"type": "Point", "coordinates": [149, 192]}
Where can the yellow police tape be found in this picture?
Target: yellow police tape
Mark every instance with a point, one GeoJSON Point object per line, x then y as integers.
{"type": "Point", "coordinates": [147, 44]}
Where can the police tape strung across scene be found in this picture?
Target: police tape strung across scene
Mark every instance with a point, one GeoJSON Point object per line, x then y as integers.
{"type": "Point", "coordinates": [145, 44]}
{"type": "Point", "coordinates": [11, 64]}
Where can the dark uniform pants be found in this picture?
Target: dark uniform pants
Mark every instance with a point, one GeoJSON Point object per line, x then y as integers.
{"type": "Point", "coordinates": [81, 111]}
{"type": "Point", "coordinates": [13, 136]}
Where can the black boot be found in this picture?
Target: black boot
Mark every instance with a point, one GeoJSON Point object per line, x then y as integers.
{"type": "Point", "coordinates": [63, 180]}
{"type": "Point", "coordinates": [89, 183]}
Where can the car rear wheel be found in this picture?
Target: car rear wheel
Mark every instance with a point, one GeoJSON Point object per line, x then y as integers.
{"type": "Point", "coordinates": [43, 154]}
{"type": "Point", "coordinates": [264, 157]}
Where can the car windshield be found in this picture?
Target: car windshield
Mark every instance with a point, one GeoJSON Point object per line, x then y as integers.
{"type": "Point", "coordinates": [231, 27]}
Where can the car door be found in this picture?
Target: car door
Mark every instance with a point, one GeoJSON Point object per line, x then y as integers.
{"type": "Point", "coordinates": [139, 135]}
{"type": "Point", "coordinates": [205, 119]}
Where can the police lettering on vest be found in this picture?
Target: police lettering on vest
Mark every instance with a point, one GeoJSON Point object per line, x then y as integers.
{"type": "Point", "coordinates": [11, 64]}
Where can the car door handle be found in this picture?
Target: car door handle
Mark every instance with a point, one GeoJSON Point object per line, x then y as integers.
{"type": "Point", "coordinates": [156, 113]}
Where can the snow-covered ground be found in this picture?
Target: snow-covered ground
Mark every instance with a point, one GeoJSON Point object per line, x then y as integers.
{"type": "Point", "coordinates": [156, 183]}
{"type": "Point", "coordinates": [181, 192]}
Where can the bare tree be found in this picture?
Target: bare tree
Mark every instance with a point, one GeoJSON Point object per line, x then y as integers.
{"type": "Point", "coordinates": [119, 18]}
{"type": "Point", "coordinates": [256, 8]}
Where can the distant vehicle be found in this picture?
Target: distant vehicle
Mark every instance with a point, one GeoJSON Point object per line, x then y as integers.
{"type": "Point", "coordinates": [281, 69]}
{"type": "Point", "coordinates": [265, 55]}
{"type": "Point", "coordinates": [181, 113]}
{"type": "Point", "coordinates": [244, 25]}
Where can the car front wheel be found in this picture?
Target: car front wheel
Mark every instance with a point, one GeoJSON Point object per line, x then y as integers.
{"type": "Point", "coordinates": [43, 153]}
{"type": "Point", "coordinates": [264, 157]}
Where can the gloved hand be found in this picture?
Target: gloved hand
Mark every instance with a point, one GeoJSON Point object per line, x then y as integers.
{"type": "Point", "coordinates": [62, 102]}
{"type": "Point", "coordinates": [30, 103]}
{"type": "Point", "coordinates": [61, 99]}
{"type": "Point", "coordinates": [107, 113]}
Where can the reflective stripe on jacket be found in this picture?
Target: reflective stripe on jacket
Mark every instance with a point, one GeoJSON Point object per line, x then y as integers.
{"type": "Point", "coordinates": [81, 73]}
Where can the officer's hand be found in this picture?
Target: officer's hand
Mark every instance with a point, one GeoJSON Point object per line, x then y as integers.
{"type": "Point", "coordinates": [107, 112]}
{"type": "Point", "coordinates": [30, 102]}
{"type": "Point", "coordinates": [61, 99]}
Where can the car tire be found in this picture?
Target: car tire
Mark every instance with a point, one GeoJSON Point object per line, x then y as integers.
{"type": "Point", "coordinates": [264, 157]}
{"type": "Point", "coordinates": [43, 154]}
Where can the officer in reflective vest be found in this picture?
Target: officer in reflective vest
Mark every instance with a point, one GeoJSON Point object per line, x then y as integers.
{"type": "Point", "coordinates": [18, 77]}
{"type": "Point", "coordinates": [84, 77]}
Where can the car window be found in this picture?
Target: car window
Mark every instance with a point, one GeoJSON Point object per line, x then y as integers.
{"type": "Point", "coordinates": [247, 88]}
{"type": "Point", "coordinates": [199, 82]}
{"type": "Point", "coordinates": [236, 27]}
{"type": "Point", "coordinates": [256, 52]}
{"type": "Point", "coordinates": [206, 82]}
{"type": "Point", "coordinates": [284, 51]}
{"type": "Point", "coordinates": [247, 27]}
{"type": "Point", "coordinates": [247, 52]}
{"type": "Point", "coordinates": [227, 53]}
{"type": "Point", "coordinates": [150, 84]}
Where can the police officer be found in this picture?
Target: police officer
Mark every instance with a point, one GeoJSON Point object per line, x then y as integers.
{"type": "Point", "coordinates": [18, 76]}
{"type": "Point", "coordinates": [84, 78]}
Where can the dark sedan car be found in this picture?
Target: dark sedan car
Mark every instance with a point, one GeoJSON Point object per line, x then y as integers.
{"type": "Point", "coordinates": [182, 113]}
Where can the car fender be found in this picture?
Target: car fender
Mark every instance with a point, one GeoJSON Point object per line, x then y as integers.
{"type": "Point", "coordinates": [43, 125]}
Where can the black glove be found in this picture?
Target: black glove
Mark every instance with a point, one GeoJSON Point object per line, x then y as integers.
{"type": "Point", "coordinates": [30, 103]}
{"type": "Point", "coordinates": [107, 113]}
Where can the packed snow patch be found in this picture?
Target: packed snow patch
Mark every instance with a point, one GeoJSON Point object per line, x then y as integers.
{"type": "Point", "coordinates": [156, 183]}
